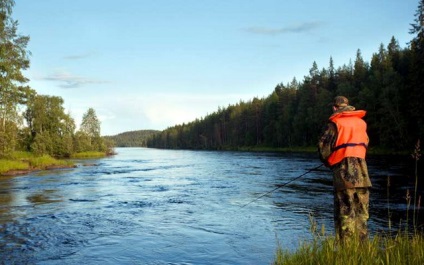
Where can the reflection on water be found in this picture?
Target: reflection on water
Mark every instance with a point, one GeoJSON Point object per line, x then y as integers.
{"type": "Point", "coordinates": [147, 206]}
{"type": "Point", "coordinates": [45, 196]}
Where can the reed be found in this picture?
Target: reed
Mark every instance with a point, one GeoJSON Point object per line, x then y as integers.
{"type": "Point", "coordinates": [381, 249]}
{"type": "Point", "coordinates": [416, 156]}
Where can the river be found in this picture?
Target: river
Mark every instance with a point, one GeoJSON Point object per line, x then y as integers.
{"type": "Point", "coordinates": [150, 206]}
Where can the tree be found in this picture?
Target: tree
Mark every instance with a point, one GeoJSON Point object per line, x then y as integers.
{"type": "Point", "coordinates": [51, 130]}
{"type": "Point", "coordinates": [13, 60]}
{"type": "Point", "coordinates": [90, 132]}
{"type": "Point", "coordinates": [416, 73]}
{"type": "Point", "coordinates": [90, 123]}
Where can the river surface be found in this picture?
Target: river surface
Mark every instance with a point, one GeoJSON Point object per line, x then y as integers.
{"type": "Point", "coordinates": [150, 206]}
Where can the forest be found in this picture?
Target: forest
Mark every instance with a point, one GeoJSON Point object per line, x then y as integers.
{"type": "Point", "coordinates": [132, 138]}
{"type": "Point", "coordinates": [30, 121]}
{"type": "Point", "coordinates": [390, 88]}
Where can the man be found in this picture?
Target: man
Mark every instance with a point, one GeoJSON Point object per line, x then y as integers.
{"type": "Point", "coordinates": [342, 147]}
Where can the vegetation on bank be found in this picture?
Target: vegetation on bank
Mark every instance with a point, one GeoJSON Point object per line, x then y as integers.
{"type": "Point", "coordinates": [23, 162]}
{"type": "Point", "coordinates": [132, 138]}
{"type": "Point", "coordinates": [91, 154]}
{"type": "Point", "coordinates": [378, 250]}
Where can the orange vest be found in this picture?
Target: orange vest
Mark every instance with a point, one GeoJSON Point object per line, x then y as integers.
{"type": "Point", "coordinates": [352, 138]}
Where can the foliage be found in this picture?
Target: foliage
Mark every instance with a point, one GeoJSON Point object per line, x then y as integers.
{"type": "Point", "coordinates": [132, 138]}
{"type": "Point", "coordinates": [13, 60]}
{"type": "Point", "coordinates": [90, 124]}
{"type": "Point", "coordinates": [50, 130]}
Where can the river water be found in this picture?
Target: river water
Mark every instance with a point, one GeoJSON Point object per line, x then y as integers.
{"type": "Point", "coordinates": [150, 206]}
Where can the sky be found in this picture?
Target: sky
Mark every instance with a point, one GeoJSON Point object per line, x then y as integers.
{"type": "Point", "coordinates": [155, 64]}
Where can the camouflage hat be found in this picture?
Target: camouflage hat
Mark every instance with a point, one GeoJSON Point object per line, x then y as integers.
{"type": "Point", "coordinates": [340, 101]}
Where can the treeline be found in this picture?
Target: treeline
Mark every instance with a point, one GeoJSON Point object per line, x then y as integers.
{"type": "Point", "coordinates": [33, 122]}
{"type": "Point", "coordinates": [132, 138]}
{"type": "Point", "coordinates": [390, 88]}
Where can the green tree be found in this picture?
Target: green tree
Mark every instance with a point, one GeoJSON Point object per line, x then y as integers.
{"type": "Point", "coordinates": [416, 73]}
{"type": "Point", "coordinates": [89, 133]}
{"type": "Point", "coordinates": [13, 60]}
{"type": "Point", "coordinates": [90, 123]}
{"type": "Point", "coordinates": [51, 130]}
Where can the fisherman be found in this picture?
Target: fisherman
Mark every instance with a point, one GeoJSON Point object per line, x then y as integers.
{"type": "Point", "coordinates": [342, 147]}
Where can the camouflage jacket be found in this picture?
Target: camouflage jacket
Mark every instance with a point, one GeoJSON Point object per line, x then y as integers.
{"type": "Point", "coordinates": [351, 172]}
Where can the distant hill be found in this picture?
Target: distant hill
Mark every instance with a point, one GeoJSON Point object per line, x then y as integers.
{"type": "Point", "coordinates": [132, 138]}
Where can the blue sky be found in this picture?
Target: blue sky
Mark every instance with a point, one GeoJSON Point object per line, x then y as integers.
{"type": "Point", "coordinates": [154, 64]}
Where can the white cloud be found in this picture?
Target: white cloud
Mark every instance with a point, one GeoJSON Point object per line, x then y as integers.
{"type": "Point", "coordinates": [79, 56]}
{"type": "Point", "coordinates": [68, 80]}
{"type": "Point", "coordinates": [299, 28]}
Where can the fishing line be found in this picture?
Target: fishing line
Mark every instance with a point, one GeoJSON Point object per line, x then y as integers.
{"type": "Point", "coordinates": [282, 185]}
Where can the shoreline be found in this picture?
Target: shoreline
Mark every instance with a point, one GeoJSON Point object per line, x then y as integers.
{"type": "Point", "coordinates": [20, 172]}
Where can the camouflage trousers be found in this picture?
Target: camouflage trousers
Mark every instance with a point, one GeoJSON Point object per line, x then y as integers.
{"type": "Point", "coordinates": [351, 213]}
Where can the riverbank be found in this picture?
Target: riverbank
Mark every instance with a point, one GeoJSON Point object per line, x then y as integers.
{"type": "Point", "coordinates": [21, 163]}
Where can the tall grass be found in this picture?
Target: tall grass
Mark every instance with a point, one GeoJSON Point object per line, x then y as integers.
{"type": "Point", "coordinates": [89, 155]}
{"type": "Point", "coordinates": [28, 161]}
{"type": "Point", "coordinates": [8, 165]}
{"type": "Point", "coordinates": [42, 162]}
{"type": "Point", "coordinates": [382, 249]}
{"type": "Point", "coordinates": [416, 156]}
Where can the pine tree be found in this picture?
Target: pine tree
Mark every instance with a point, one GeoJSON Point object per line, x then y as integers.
{"type": "Point", "coordinates": [416, 77]}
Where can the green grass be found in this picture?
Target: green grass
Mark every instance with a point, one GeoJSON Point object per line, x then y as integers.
{"type": "Point", "coordinates": [28, 161]}
{"type": "Point", "coordinates": [42, 162]}
{"type": "Point", "coordinates": [89, 155]}
{"type": "Point", "coordinates": [381, 250]}
{"type": "Point", "coordinates": [21, 160]}
{"type": "Point", "coordinates": [8, 165]}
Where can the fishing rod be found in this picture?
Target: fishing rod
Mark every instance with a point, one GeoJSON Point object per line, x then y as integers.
{"type": "Point", "coordinates": [282, 185]}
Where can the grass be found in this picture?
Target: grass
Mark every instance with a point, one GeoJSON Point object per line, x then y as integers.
{"type": "Point", "coordinates": [381, 250]}
{"type": "Point", "coordinates": [42, 162]}
{"type": "Point", "coordinates": [28, 161]}
{"type": "Point", "coordinates": [89, 155]}
{"type": "Point", "coordinates": [21, 160]}
{"type": "Point", "coordinates": [8, 165]}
